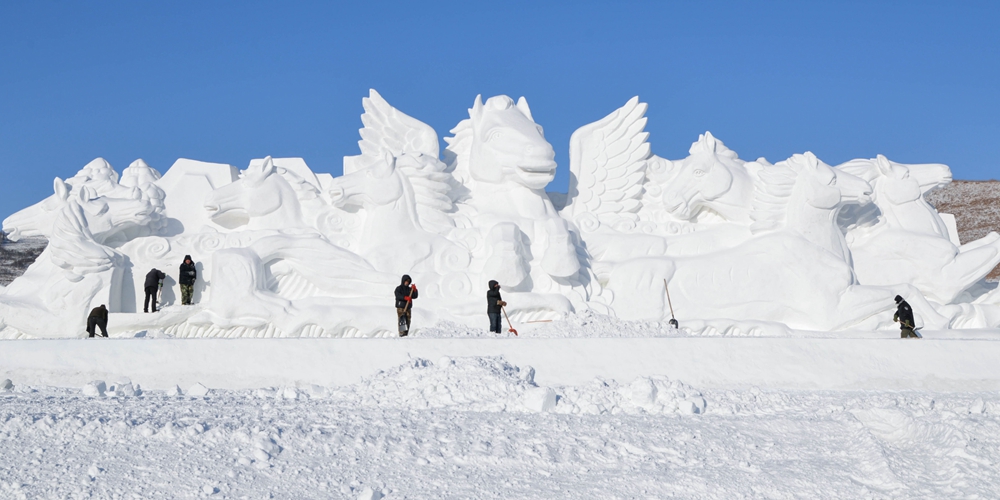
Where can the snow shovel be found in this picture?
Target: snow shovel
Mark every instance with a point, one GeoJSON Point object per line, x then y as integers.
{"type": "Point", "coordinates": [673, 320]}
{"type": "Point", "coordinates": [511, 330]}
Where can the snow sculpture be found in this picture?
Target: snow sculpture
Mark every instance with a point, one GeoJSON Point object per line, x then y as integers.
{"type": "Point", "coordinates": [76, 271]}
{"type": "Point", "coordinates": [902, 239]}
{"type": "Point", "coordinates": [283, 251]}
{"type": "Point", "coordinates": [794, 270]}
{"type": "Point", "coordinates": [500, 156]}
{"type": "Point", "coordinates": [95, 179]}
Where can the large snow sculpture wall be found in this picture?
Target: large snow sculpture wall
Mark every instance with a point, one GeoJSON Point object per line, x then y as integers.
{"type": "Point", "coordinates": [283, 251]}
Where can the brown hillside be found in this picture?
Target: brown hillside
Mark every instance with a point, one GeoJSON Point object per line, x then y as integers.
{"type": "Point", "coordinates": [976, 207]}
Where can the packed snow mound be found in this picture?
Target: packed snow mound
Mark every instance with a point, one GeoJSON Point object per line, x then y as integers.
{"type": "Point", "coordinates": [493, 384]}
{"type": "Point", "coordinates": [474, 384]}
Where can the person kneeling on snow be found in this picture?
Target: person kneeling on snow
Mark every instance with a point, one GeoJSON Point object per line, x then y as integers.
{"type": "Point", "coordinates": [186, 278]}
{"type": "Point", "coordinates": [904, 315]}
{"type": "Point", "coordinates": [493, 304]}
{"type": "Point", "coordinates": [98, 317]}
{"type": "Point", "coordinates": [405, 293]}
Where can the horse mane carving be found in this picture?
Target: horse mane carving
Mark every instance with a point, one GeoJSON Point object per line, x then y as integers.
{"type": "Point", "coordinates": [773, 187]}
{"type": "Point", "coordinates": [73, 246]}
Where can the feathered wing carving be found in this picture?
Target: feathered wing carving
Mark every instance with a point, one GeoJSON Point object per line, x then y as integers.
{"type": "Point", "coordinates": [387, 128]}
{"type": "Point", "coordinates": [608, 165]}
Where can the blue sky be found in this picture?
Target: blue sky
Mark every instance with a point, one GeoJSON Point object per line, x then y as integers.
{"type": "Point", "coordinates": [231, 81]}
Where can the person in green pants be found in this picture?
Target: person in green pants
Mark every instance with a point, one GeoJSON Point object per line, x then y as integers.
{"type": "Point", "coordinates": [187, 277]}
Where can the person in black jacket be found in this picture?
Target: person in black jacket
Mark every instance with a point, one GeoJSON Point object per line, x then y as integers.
{"type": "Point", "coordinates": [154, 281]}
{"type": "Point", "coordinates": [405, 293]}
{"type": "Point", "coordinates": [494, 303]}
{"type": "Point", "coordinates": [904, 315]}
{"type": "Point", "coordinates": [186, 278]}
{"type": "Point", "coordinates": [98, 317]}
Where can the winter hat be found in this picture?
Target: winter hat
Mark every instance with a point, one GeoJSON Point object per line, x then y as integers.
{"type": "Point", "coordinates": [493, 284]}
{"type": "Point", "coordinates": [899, 299]}
{"type": "Point", "coordinates": [187, 258]}
{"type": "Point", "coordinates": [406, 277]}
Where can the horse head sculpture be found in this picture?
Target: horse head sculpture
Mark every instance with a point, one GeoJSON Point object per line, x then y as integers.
{"type": "Point", "coordinates": [97, 182]}
{"type": "Point", "coordinates": [804, 195]}
{"type": "Point", "coordinates": [260, 199]}
{"type": "Point", "coordinates": [404, 198]}
{"type": "Point", "coordinates": [711, 178]}
{"type": "Point", "coordinates": [377, 185]}
{"type": "Point", "coordinates": [899, 193]}
{"type": "Point", "coordinates": [501, 142]}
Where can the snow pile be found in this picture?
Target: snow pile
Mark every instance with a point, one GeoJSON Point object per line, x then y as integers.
{"type": "Point", "coordinates": [654, 395]}
{"type": "Point", "coordinates": [492, 384]}
{"type": "Point", "coordinates": [474, 384]}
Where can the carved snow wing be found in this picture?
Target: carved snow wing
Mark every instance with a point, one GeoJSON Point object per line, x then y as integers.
{"type": "Point", "coordinates": [607, 165]}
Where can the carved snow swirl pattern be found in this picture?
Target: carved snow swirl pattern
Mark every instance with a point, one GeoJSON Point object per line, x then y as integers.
{"type": "Point", "coordinates": [587, 222]}
{"type": "Point", "coordinates": [152, 248]}
{"type": "Point", "coordinates": [207, 243]}
{"type": "Point", "coordinates": [342, 228]}
{"type": "Point", "coordinates": [452, 258]}
{"type": "Point", "coordinates": [456, 285]}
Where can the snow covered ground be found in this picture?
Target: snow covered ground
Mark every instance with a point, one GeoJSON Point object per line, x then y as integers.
{"type": "Point", "coordinates": [480, 428]}
{"type": "Point", "coordinates": [624, 410]}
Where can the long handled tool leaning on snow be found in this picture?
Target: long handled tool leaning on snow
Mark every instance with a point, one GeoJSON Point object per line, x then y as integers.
{"type": "Point", "coordinates": [510, 326]}
{"type": "Point", "coordinates": [673, 320]}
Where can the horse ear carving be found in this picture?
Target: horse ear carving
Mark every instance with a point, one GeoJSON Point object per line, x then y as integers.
{"type": "Point", "coordinates": [522, 104]}
{"type": "Point", "coordinates": [60, 188]}
{"type": "Point", "coordinates": [385, 167]}
{"type": "Point", "coordinates": [477, 108]}
{"type": "Point", "coordinates": [883, 165]}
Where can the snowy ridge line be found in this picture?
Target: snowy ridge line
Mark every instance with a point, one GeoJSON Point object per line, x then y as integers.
{"type": "Point", "coordinates": [777, 363]}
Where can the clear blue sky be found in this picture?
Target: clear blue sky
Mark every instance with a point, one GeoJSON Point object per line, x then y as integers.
{"type": "Point", "coordinates": [230, 81]}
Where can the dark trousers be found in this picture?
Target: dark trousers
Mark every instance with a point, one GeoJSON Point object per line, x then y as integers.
{"type": "Point", "coordinates": [95, 322]}
{"type": "Point", "coordinates": [150, 297]}
{"type": "Point", "coordinates": [495, 323]}
{"type": "Point", "coordinates": [907, 333]}
{"type": "Point", "coordinates": [403, 315]}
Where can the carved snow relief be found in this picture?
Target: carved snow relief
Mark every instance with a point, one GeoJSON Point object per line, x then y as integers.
{"type": "Point", "coordinates": [283, 251]}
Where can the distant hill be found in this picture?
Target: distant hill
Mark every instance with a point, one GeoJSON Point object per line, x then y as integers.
{"type": "Point", "coordinates": [16, 257]}
{"type": "Point", "coordinates": [976, 207]}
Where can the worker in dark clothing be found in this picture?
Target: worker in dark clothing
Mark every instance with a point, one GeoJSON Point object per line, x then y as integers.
{"type": "Point", "coordinates": [187, 278]}
{"type": "Point", "coordinates": [154, 281]}
{"type": "Point", "coordinates": [494, 303]}
{"type": "Point", "coordinates": [405, 293]}
{"type": "Point", "coordinates": [98, 317]}
{"type": "Point", "coordinates": [904, 315]}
